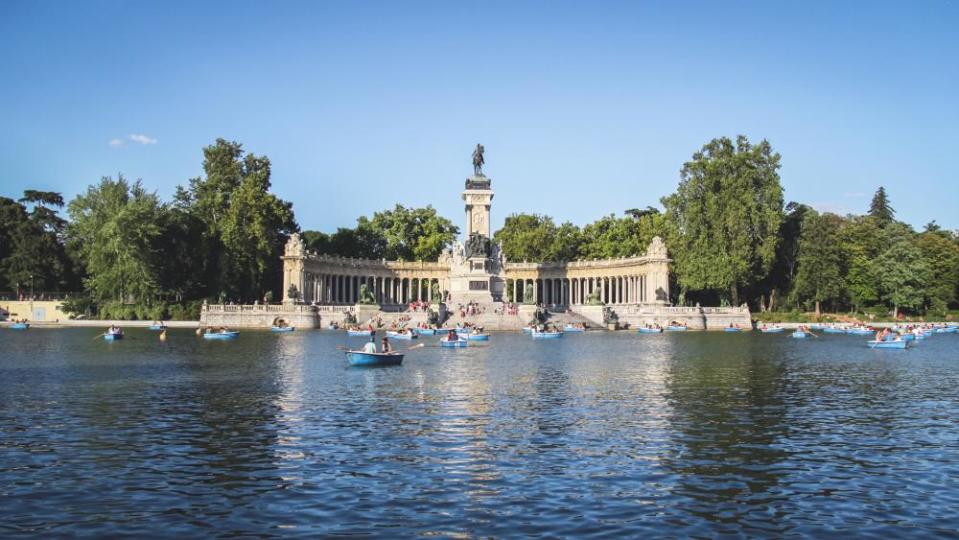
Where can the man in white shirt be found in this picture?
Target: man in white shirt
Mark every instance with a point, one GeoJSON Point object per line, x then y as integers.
{"type": "Point", "coordinates": [370, 346]}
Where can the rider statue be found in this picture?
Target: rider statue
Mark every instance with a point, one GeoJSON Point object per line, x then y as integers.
{"type": "Point", "coordinates": [478, 160]}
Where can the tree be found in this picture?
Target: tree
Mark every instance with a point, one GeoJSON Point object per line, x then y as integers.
{"type": "Point", "coordinates": [820, 261]}
{"type": "Point", "coordinates": [783, 273]}
{"type": "Point", "coordinates": [534, 237]}
{"type": "Point", "coordinates": [880, 209]}
{"type": "Point", "coordinates": [903, 276]}
{"type": "Point", "coordinates": [117, 226]}
{"type": "Point", "coordinates": [408, 234]}
{"type": "Point", "coordinates": [611, 237]}
{"type": "Point", "coordinates": [940, 251]}
{"type": "Point", "coordinates": [244, 226]}
{"type": "Point", "coordinates": [254, 230]}
{"type": "Point", "coordinates": [35, 256]}
{"type": "Point", "coordinates": [725, 216]}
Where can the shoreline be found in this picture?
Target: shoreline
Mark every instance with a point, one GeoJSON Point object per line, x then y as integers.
{"type": "Point", "coordinates": [87, 323]}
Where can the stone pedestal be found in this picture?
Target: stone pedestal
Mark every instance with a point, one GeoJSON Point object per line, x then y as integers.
{"type": "Point", "coordinates": [526, 313]}
{"type": "Point", "coordinates": [364, 312]}
{"type": "Point", "coordinates": [593, 314]}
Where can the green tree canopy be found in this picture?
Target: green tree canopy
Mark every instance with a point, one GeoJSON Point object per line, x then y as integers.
{"type": "Point", "coordinates": [117, 226]}
{"type": "Point", "coordinates": [880, 209]}
{"type": "Point", "coordinates": [408, 234]}
{"type": "Point", "coordinates": [33, 254]}
{"type": "Point", "coordinates": [820, 261]}
{"type": "Point", "coordinates": [940, 251]}
{"type": "Point", "coordinates": [611, 237]}
{"type": "Point", "coordinates": [903, 275]}
{"type": "Point", "coordinates": [244, 226]}
{"type": "Point", "coordinates": [534, 237]}
{"type": "Point", "coordinates": [725, 216]}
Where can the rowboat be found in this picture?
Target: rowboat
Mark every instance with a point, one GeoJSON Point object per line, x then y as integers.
{"type": "Point", "coordinates": [527, 330]}
{"type": "Point", "coordinates": [571, 328]}
{"type": "Point", "coordinates": [860, 331]}
{"type": "Point", "coordinates": [908, 337]}
{"type": "Point", "coordinates": [772, 330]}
{"type": "Point", "coordinates": [477, 337]}
{"type": "Point", "coordinates": [833, 330]}
{"type": "Point", "coordinates": [156, 327]}
{"type": "Point", "coordinates": [453, 343]}
{"type": "Point", "coordinates": [799, 335]}
{"type": "Point", "coordinates": [19, 326]}
{"type": "Point", "coordinates": [365, 359]}
{"type": "Point", "coordinates": [113, 336]}
{"type": "Point", "coordinates": [359, 333]}
{"type": "Point", "coordinates": [644, 330]}
{"type": "Point", "coordinates": [900, 344]}
{"type": "Point", "coordinates": [547, 335]}
{"type": "Point", "coordinates": [408, 336]}
{"type": "Point", "coordinates": [425, 331]}
{"type": "Point", "coordinates": [232, 334]}
{"type": "Point", "coordinates": [673, 328]}
{"type": "Point", "coordinates": [816, 327]}
{"type": "Point", "coordinates": [731, 329]}
{"type": "Point", "coordinates": [946, 330]}
{"type": "Point", "coordinates": [282, 329]}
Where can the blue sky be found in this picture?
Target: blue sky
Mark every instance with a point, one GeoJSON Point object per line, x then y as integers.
{"type": "Point", "coordinates": [585, 108]}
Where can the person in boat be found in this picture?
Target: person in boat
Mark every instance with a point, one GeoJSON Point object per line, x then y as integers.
{"type": "Point", "coordinates": [385, 346]}
{"type": "Point", "coordinates": [370, 346]}
{"type": "Point", "coordinates": [451, 336]}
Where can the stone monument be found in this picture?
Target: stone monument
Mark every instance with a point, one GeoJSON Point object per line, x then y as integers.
{"type": "Point", "coordinates": [476, 263]}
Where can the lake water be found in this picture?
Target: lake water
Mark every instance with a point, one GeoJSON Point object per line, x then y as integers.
{"type": "Point", "coordinates": [592, 435]}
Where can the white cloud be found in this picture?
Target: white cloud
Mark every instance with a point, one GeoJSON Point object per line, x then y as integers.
{"type": "Point", "coordinates": [116, 143]}
{"type": "Point", "coordinates": [142, 139]}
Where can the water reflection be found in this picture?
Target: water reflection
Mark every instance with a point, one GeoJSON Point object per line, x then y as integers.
{"type": "Point", "coordinates": [595, 434]}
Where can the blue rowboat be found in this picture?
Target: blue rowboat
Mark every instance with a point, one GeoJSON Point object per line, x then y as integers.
{"type": "Point", "coordinates": [425, 331]}
{"type": "Point", "coordinates": [860, 331]}
{"type": "Point", "coordinates": [816, 327]}
{"type": "Point", "coordinates": [570, 328]}
{"type": "Point", "coordinates": [156, 327]}
{"type": "Point", "coordinates": [908, 337]}
{"type": "Point", "coordinates": [359, 333]}
{"type": "Point", "coordinates": [221, 335]}
{"type": "Point", "coordinates": [927, 333]}
{"type": "Point", "coordinates": [873, 344]}
{"type": "Point", "coordinates": [408, 336]}
{"type": "Point", "coordinates": [527, 330]}
{"type": "Point", "coordinates": [731, 329]}
{"type": "Point", "coordinates": [477, 337]}
{"type": "Point", "coordinates": [365, 359]}
{"type": "Point", "coordinates": [19, 326]}
{"type": "Point", "coordinates": [772, 330]}
{"type": "Point", "coordinates": [946, 330]}
{"type": "Point", "coordinates": [113, 336]}
{"type": "Point", "coordinates": [282, 329]}
{"type": "Point", "coordinates": [832, 330]}
{"type": "Point", "coordinates": [799, 335]}
{"type": "Point", "coordinates": [672, 328]}
{"type": "Point", "coordinates": [452, 343]}
{"type": "Point", "coordinates": [644, 330]}
{"type": "Point", "coordinates": [547, 335]}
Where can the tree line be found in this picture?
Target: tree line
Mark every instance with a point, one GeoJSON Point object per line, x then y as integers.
{"type": "Point", "coordinates": [125, 253]}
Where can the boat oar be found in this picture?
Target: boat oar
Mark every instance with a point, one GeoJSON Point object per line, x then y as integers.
{"type": "Point", "coordinates": [419, 346]}
{"type": "Point", "coordinates": [98, 336]}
